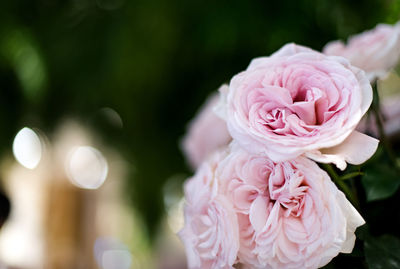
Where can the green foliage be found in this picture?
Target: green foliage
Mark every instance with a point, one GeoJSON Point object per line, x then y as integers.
{"type": "Point", "coordinates": [380, 181]}
{"type": "Point", "coordinates": [19, 49]}
{"type": "Point", "coordinates": [393, 11]}
{"type": "Point", "coordinates": [153, 62]}
{"type": "Point", "coordinates": [382, 252]}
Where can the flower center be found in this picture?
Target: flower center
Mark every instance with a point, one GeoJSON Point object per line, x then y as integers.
{"type": "Point", "coordinates": [288, 188]}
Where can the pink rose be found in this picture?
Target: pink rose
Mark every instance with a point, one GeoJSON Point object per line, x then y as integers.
{"type": "Point", "coordinates": [390, 109]}
{"type": "Point", "coordinates": [375, 51]}
{"type": "Point", "coordinates": [391, 113]}
{"type": "Point", "coordinates": [206, 133]}
{"type": "Point", "coordinates": [389, 97]}
{"type": "Point", "coordinates": [210, 234]}
{"type": "Point", "coordinates": [290, 214]}
{"type": "Point", "coordinates": [299, 101]}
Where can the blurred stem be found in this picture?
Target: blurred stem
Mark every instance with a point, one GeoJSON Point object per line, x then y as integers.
{"type": "Point", "coordinates": [378, 118]}
{"type": "Point", "coordinates": [351, 175]}
{"type": "Point", "coordinates": [342, 185]}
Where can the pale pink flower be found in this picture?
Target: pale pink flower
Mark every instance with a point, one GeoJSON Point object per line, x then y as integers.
{"type": "Point", "coordinates": [389, 98]}
{"type": "Point", "coordinates": [290, 214]}
{"type": "Point", "coordinates": [210, 234]}
{"type": "Point", "coordinates": [391, 114]}
{"type": "Point", "coordinates": [390, 117]}
{"type": "Point", "coordinates": [375, 51]}
{"type": "Point", "coordinates": [206, 133]}
{"type": "Point", "coordinates": [299, 101]}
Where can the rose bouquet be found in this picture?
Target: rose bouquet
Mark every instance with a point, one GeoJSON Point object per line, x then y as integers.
{"type": "Point", "coordinates": [264, 193]}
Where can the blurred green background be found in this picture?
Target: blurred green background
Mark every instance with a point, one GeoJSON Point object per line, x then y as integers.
{"type": "Point", "coordinates": [154, 62]}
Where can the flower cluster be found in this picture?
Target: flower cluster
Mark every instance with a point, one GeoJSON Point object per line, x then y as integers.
{"type": "Point", "coordinates": [258, 197]}
{"type": "Point", "coordinates": [245, 207]}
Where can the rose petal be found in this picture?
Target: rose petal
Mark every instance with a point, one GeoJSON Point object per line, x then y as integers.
{"type": "Point", "coordinates": [356, 149]}
{"type": "Point", "coordinates": [258, 213]}
{"type": "Point", "coordinates": [220, 107]}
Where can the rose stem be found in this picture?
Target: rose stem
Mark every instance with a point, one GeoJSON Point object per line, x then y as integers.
{"type": "Point", "coordinates": [352, 175]}
{"type": "Point", "coordinates": [378, 118]}
{"type": "Point", "coordinates": [342, 185]}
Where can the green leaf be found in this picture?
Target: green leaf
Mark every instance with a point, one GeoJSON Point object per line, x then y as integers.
{"type": "Point", "coordinates": [380, 182]}
{"type": "Point", "coordinates": [382, 252]}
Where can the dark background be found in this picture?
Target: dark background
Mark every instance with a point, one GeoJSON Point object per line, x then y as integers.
{"type": "Point", "coordinates": [154, 62]}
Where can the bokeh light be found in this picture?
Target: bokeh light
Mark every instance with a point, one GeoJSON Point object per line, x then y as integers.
{"type": "Point", "coordinates": [86, 167]}
{"type": "Point", "coordinates": [112, 117]}
{"type": "Point", "coordinates": [27, 148]}
{"type": "Point", "coordinates": [110, 253]}
{"type": "Point", "coordinates": [105, 88]}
